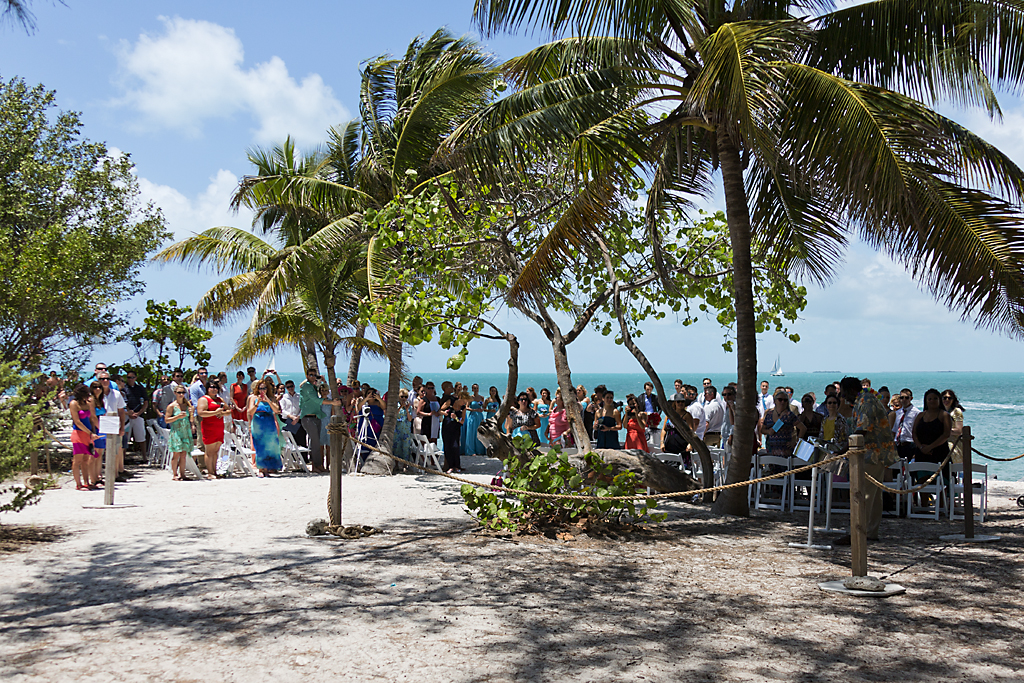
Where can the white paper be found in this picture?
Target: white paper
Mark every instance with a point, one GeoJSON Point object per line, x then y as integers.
{"type": "Point", "coordinates": [110, 424]}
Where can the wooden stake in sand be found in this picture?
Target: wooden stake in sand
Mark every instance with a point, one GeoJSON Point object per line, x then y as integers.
{"type": "Point", "coordinates": [337, 438]}
{"type": "Point", "coordinates": [858, 510]}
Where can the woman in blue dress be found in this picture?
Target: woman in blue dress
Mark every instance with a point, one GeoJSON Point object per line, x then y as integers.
{"type": "Point", "coordinates": [474, 416]}
{"type": "Point", "coordinates": [543, 407]}
{"type": "Point", "coordinates": [492, 404]}
{"type": "Point", "coordinates": [266, 433]}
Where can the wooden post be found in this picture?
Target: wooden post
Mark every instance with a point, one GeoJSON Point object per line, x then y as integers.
{"type": "Point", "coordinates": [858, 509]}
{"type": "Point", "coordinates": [34, 457]}
{"type": "Point", "coordinates": [337, 440]}
{"type": "Point", "coordinates": [968, 485]}
{"type": "Point", "coordinates": [110, 470]}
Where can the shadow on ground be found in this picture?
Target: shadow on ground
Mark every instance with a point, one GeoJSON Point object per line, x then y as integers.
{"type": "Point", "coordinates": [701, 598]}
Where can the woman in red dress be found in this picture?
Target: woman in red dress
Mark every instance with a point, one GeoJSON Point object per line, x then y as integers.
{"type": "Point", "coordinates": [212, 410]}
{"type": "Point", "coordinates": [636, 421]}
{"type": "Point", "coordinates": [240, 397]}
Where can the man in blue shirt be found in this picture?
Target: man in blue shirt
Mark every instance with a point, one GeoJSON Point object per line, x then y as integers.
{"type": "Point", "coordinates": [198, 388]}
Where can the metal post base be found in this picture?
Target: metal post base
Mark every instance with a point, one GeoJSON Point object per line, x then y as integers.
{"type": "Point", "coordinates": [838, 587]}
{"type": "Point", "coordinates": [811, 547]}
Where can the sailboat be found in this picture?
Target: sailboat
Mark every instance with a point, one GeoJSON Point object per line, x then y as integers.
{"type": "Point", "coordinates": [777, 368]}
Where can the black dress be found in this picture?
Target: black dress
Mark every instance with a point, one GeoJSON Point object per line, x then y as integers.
{"type": "Point", "coordinates": [607, 439]}
{"type": "Point", "coordinates": [451, 433]}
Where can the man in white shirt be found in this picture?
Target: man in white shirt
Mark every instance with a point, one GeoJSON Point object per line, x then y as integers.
{"type": "Point", "coordinates": [714, 416]}
{"type": "Point", "coordinates": [794, 404]}
{"type": "Point", "coordinates": [114, 404]}
{"type": "Point", "coordinates": [696, 411]}
{"type": "Point", "coordinates": [290, 408]}
{"type": "Point", "coordinates": [765, 402]}
{"type": "Point", "coordinates": [903, 428]}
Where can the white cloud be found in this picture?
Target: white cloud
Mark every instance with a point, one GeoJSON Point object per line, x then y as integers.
{"type": "Point", "coordinates": [194, 71]}
{"type": "Point", "coordinates": [188, 216]}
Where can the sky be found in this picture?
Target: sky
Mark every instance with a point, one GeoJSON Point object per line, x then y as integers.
{"type": "Point", "coordinates": [186, 88]}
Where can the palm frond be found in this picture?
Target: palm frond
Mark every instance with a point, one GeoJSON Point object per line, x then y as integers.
{"type": "Point", "coordinates": [222, 249]}
{"type": "Point", "coordinates": [583, 217]}
{"type": "Point", "coordinates": [935, 50]}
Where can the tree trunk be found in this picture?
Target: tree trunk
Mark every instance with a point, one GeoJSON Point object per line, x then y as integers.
{"type": "Point", "coordinates": [379, 463]}
{"type": "Point", "coordinates": [572, 405]}
{"type": "Point", "coordinates": [513, 380]}
{"type": "Point", "coordinates": [308, 351]}
{"type": "Point", "coordinates": [357, 354]}
{"type": "Point", "coordinates": [698, 446]}
{"type": "Point", "coordinates": [734, 501]}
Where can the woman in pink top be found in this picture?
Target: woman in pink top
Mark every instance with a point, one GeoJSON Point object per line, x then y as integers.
{"type": "Point", "coordinates": [558, 424]}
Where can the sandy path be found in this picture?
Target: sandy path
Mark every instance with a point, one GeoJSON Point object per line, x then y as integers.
{"type": "Point", "coordinates": [215, 581]}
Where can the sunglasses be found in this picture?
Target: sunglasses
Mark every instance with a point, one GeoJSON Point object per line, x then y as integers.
{"type": "Point", "coordinates": [947, 398]}
{"type": "Point", "coordinates": [831, 403]}
{"type": "Point", "coordinates": [180, 392]}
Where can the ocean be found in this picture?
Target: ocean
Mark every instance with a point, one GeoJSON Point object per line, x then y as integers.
{"type": "Point", "coordinates": [993, 402]}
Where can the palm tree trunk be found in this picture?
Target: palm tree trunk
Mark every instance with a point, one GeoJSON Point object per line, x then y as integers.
{"type": "Point", "coordinates": [734, 501]}
{"type": "Point", "coordinates": [308, 351]}
{"type": "Point", "coordinates": [337, 441]}
{"type": "Point", "coordinates": [357, 354]}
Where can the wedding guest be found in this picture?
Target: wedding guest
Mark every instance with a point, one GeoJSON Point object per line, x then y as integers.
{"type": "Point", "coordinates": [83, 422]}
{"type": "Point", "coordinates": [262, 411]}
{"type": "Point", "coordinates": [956, 417]}
{"type": "Point", "coordinates": [523, 420]}
{"type": "Point", "coordinates": [178, 418]}
{"type": "Point", "coordinates": [608, 422]}
{"type": "Point", "coordinates": [211, 410]}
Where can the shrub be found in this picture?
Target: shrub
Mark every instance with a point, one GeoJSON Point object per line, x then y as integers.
{"type": "Point", "coordinates": [18, 435]}
{"type": "Point", "coordinates": [552, 472]}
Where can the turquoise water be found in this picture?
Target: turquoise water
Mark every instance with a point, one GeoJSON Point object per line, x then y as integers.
{"type": "Point", "coordinates": [993, 402]}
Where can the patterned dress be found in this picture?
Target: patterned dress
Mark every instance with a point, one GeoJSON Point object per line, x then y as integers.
{"type": "Point", "coordinates": [781, 442]}
{"type": "Point", "coordinates": [180, 438]}
{"type": "Point", "coordinates": [403, 433]}
{"type": "Point", "coordinates": [265, 439]}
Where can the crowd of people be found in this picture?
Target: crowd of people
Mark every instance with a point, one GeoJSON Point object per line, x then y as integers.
{"type": "Point", "coordinates": [261, 409]}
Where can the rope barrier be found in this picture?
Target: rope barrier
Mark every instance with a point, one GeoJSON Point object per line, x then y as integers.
{"type": "Point", "coordinates": [926, 482]}
{"type": "Point", "coordinates": [573, 496]}
{"type": "Point", "coordinates": [989, 457]}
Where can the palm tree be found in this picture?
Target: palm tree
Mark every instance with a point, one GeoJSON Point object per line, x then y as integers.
{"type": "Point", "coordinates": [819, 126]}
{"type": "Point", "coordinates": [409, 106]}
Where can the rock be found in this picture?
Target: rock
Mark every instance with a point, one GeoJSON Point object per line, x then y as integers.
{"type": "Point", "coordinates": [317, 527]}
{"type": "Point", "coordinates": [864, 583]}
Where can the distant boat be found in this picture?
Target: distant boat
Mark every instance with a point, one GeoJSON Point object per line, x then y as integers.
{"type": "Point", "coordinates": [777, 368]}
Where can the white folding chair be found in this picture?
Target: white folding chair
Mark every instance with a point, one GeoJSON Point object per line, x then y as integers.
{"type": "Point", "coordinates": [158, 455]}
{"type": "Point", "coordinates": [800, 482]}
{"type": "Point", "coordinates": [428, 452]}
{"type": "Point", "coordinates": [956, 487]}
{"type": "Point", "coordinates": [190, 463]}
{"type": "Point", "coordinates": [916, 507]}
{"type": "Point", "coordinates": [764, 462]}
{"type": "Point", "coordinates": [899, 478]}
{"type": "Point", "coordinates": [296, 453]}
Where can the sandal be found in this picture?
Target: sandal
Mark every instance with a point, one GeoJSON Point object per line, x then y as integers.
{"type": "Point", "coordinates": [82, 487]}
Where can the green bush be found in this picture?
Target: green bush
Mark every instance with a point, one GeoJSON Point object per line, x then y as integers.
{"type": "Point", "coordinates": [18, 435]}
{"type": "Point", "coordinates": [551, 472]}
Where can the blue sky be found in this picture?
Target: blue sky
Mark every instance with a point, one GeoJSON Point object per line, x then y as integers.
{"type": "Point", "coordinates": [187, 87]}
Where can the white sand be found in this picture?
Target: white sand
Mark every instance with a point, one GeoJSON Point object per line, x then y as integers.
{"type": "Point", "coordinates": [216, 581]}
